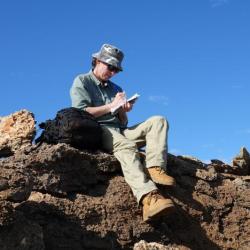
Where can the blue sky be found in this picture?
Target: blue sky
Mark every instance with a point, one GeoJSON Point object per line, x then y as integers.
{"type": "Point", "coordinates": [189, 61]}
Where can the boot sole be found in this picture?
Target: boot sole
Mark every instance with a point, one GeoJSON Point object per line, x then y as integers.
{"type": "Point", "coordinates": [160, 212]}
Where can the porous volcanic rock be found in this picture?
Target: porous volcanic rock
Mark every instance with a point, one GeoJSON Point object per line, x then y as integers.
{"type": "Point", "coordinates": [143, 245]}
{"type": "Point", "coordinates": [16, 131]}
{"type": "Point", "coordinates": [59, 197]}
{"type": "Point", "coordinates": [240, 164]}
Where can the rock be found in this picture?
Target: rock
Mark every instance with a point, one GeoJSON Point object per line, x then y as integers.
{"type": "Point", "coordinates": [241, 163]}
{"type": "Point", "coordinates": [60, 197]}
{"type": "Point", "coordinates": [208, 174]}
{"type": "Point", "coordinates": [79, 194]}
{"type": "Point", "coordinates": [191, 159]}
{"type": "Point", "coordinates": [218, 162]}
{"type": "Point", "coordinates": [143, 245]}
{"type": "Point", "coordinates": [17, 131]}
{"type": "Point", "coordinates": [190, 166]}
{"type": "Point", "coordinates": [15, 182]}
{"type": "Point", "coordinates": [6, 213]}
{"type": "Point", "coordinates": [22, 235]}
{"type": "Point", "coordinates": [59, 169]}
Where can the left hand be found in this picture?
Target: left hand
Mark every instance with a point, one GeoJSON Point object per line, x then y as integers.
{"type": "Point", "coordinates": [127, 106]}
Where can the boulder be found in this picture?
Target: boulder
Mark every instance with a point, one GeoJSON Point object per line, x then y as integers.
{"type": "Point", "coordinates": [241, 163]}
{"type": "Point", "coordinates": [17, 131]}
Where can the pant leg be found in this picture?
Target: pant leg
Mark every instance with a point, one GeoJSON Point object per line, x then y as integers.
{"type": "Point", "coordinates": [127, 154]}
{"type": "Point", "coordinates": [154, 131]}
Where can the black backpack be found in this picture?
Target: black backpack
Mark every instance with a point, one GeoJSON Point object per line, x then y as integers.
{"type": "Point", "coordinates": [73, 126]}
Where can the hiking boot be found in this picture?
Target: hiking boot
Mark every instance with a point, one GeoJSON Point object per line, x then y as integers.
{"type": "Point", "coordinates": [159, 176]}
{"type": "Point", "coordinates": [155, 206]}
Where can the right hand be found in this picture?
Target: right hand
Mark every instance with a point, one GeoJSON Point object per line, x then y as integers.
{"type": "Point", "coordinates": [119, 99]}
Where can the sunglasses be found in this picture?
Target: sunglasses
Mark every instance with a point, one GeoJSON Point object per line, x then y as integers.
{"type": "Point", "coordinates": [112, 68]}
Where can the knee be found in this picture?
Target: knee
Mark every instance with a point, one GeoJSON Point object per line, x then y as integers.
{"type": "Point", "coordinates": [159, 120]}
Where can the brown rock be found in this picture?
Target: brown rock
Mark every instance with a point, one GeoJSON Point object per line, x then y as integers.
{"type": "Point", "coordinates": [58, 197]}
{"type": "Point", "coordinates": [16, 132]}
{"type": "Point", "coordinates": [241, 163]}
{"type": "Point", "coordinates": [143, 245]}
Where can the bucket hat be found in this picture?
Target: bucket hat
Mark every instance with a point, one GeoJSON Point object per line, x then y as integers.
{"type": "Point", "coordinates": [111, 55]}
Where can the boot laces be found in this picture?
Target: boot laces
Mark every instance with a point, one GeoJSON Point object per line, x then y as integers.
{"type": "Point", "coordinates": [153, 195]}
{"type": "Point", "coordinates": [160, 170]}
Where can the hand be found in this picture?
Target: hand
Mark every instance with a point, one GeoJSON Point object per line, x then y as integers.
{"type": "Point", "coordinates": [127, 106]}
{"type": "Point", "coordinates": [120, 99]}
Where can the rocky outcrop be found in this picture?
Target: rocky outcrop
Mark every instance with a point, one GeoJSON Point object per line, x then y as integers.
{"type": "Point", "coordinates": [16, 132]}
{"type": "Point", "coordinates": [60, 197]}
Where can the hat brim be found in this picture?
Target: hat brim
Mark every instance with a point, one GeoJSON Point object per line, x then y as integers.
{"type": "Point", "coordinates": [109, 60]}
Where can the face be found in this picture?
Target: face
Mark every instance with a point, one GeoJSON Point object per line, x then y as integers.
{"type": "Point", "coordinates": [104, 71]}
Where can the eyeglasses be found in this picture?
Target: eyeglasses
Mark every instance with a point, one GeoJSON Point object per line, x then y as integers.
{"type": "Point", "coordinates": [112, 68]}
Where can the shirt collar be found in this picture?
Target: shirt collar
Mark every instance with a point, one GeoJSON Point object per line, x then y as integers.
{"type": "Point", "coordinates": [97, 81]}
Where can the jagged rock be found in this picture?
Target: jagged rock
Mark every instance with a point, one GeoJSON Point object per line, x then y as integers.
{"type": "Point", "coordinates": [143, 245]}
{"type": "Point", "coordinates": [191, 159]}
{"type": "Point", "coordinates": [217, 162]}
{"type": "Point", "coordinates": [72, 126]}
{"type": "Point", "coordinates": [76, 193]}
{"type": "Point", "coordinates": [18, 188]}
{"type": "Point", "coordinates": [241, 163]}
{"type": "Point", "coordinates": [58, 169]}
{"type": "Point", "coordinates": [191, 167]}
{"type": "Point", "coordinates": [17, 131]}
{"type": "Point", "coordinates": [59, 197]}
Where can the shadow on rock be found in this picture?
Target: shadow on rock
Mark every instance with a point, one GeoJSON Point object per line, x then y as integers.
{"type": "Point", "coordinates": [181, 229]}
{"type": "Point", "coordinates": [44, 226]}
{"type": "Point", "coordinates": [195, 185]}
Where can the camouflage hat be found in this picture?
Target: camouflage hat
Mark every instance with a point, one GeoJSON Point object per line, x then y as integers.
{"type": "Point", "coordinates": [111, 55]}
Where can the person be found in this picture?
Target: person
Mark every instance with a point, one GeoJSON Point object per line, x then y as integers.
{"type": "Point", "coordinates": [95, 93]}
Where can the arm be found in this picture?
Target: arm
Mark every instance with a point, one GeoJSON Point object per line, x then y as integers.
{"type": "Point", "coordinates": [122, 114]}
{"type": "Point", "coordinates": [99, 111]}
{"type": "Point", "coordinates": [123, 117]}
{"type": "Point", "coordinates": [81, 99]}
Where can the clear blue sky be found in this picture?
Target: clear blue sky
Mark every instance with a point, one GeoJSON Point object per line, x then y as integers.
{"type": "Point", "coordinates": [189, 61]}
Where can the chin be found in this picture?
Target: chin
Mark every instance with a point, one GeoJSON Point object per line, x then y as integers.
{"type": "Point", "coordinates": [106, 78]}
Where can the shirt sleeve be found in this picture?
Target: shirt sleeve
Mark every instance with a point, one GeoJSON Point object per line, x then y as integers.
{"type": "Point", "coordinates": [80, 97]}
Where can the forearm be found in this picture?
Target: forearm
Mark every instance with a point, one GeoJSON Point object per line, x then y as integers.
{"type": "Point", "coordinates": [122, 115]}
{"type": "Point", "coordinates": [99, 111]}
{"type": "Point", "coordinates": [104, 109]}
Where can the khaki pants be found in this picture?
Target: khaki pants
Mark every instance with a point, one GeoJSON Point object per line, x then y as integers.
{"type": "Point", "coordinates": [153, 134]}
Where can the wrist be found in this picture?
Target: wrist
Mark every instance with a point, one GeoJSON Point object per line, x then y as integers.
{"type": "Point", "coordinates": [109, 107]}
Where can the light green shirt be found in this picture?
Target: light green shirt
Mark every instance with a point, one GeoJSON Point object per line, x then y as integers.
{"type": "Point", "coordinates": [88, 91]}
